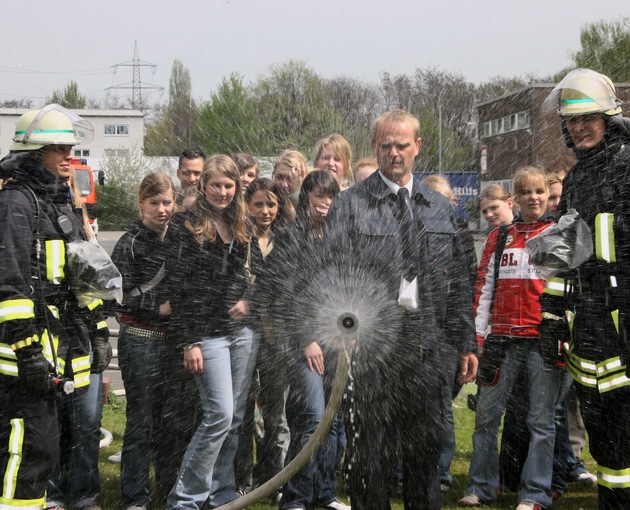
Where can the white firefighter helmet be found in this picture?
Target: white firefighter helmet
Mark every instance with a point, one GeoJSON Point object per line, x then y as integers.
{"type": "Point", "coordinates": [52, 125]}
{"type": "Point", "coordinates": [584, 91]}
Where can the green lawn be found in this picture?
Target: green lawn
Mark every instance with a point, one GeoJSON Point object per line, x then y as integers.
{"type": "Point", "coordinates": [577, 497]}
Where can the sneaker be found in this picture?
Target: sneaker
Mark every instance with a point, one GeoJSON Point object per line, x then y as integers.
{"type": "Point", "coordinates": [528, 505]}
{"type": "Point", "coordinates": [444, 487]}
{"type": "Point", "coordinates": [115, 458]}
{"type": "Point", "coordinates": [136, 507]}
{"type": "Point", "coordinates": [470, 500]}
{"type": "Point", "coordinates": [335, 504]}
{"type": "Point", "coordinates": [586, 478]}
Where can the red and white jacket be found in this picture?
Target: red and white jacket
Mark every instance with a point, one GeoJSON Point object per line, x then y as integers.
{"type": "Point", "coordinates": [516, 311]}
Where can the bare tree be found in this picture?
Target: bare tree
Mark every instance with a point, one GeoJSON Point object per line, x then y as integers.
{"type": "Point", "coordinates": [17, 103]}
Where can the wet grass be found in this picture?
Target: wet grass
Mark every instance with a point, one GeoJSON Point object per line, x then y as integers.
{"type": "Point", "coordinates": [578, 497]}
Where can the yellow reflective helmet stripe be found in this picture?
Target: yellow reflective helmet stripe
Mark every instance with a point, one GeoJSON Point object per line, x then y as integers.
{"type": "Point", "coordinates": [14, 309]}
{"type": "Point", "coordinates": [605, 237]}
{"type": "Point", "coordinates": [55, 260]}
{"type": "Point", "coordinates": [613, 478]}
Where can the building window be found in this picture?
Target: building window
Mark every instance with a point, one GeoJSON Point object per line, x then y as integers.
{"type": "Point", "coordinates": [116, 153]}
{"type": "Point", "coordinates": [81, 153]}
{"type": "Point", "coordinates": [116, 130]}
{"type": "Point", "coordinates": [523, 120]}
{"type": "Point", "coordinates": [507, 124]}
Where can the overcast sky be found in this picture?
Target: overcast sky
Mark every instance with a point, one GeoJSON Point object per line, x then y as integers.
{"type": "Point", "coordinates": [45, 44]}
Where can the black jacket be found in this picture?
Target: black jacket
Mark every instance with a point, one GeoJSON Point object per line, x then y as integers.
{"type": "Point", "coordinates": [600, 183]}
{"type": "Point", "coordinates": [363, 234]}
{"type": "Point", "coordinates": [287, 285]}
{"type": "Point", "coordinates": [140, 255]}
{"type": "Point", "coordinates": [203, 282]}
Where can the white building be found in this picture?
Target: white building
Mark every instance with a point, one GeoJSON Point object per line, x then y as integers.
{"type": "Point", "coordinates": [116, 133]}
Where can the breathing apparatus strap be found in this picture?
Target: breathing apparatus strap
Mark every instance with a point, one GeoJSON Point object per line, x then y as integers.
{"type": "Point", "coordinates": [36, 207]}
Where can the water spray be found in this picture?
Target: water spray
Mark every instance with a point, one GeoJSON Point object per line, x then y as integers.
{"type": "Point", "coordinates": [348, 328]}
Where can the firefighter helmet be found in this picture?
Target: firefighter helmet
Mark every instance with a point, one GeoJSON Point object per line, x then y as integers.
{"type": "Point", "coordinates": [584, 91]}
{"type": "Point", "coordinates": [52, 125]}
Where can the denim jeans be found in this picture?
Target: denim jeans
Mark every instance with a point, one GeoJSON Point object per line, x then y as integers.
{"type": "Point", "coordinates": [544, 392]}
{"type": "Point", "coordinates": [271, 397]}
{"type": "Point", "coordinates": [308, 394]}
{"type": "Point", "coordinates": [564, 462]}
{"type": "Point", "coordinates": [140, 361]}
{"type": "Point", "coordinates": [75, 481]}
{"type": "Point", "coordinates": [208, 465]}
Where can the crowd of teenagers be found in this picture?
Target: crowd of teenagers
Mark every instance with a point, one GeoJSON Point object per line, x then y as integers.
{"type": "Point", "coordinates": [228, 287]}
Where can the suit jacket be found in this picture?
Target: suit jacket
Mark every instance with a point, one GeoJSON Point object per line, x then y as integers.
{"type": "Point", "coordinates": [363, 234]}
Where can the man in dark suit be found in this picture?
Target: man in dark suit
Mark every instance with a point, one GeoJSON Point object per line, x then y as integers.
{"type": "Point", "coordinates": [407, 243]}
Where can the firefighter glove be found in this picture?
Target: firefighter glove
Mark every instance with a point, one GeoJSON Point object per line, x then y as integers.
{"type": "Point", "coordinates": [101, 351]}
{"type": "Point", "coordinates": [34, 372]}
{"type": "Point", "coordinates": [553, 332]}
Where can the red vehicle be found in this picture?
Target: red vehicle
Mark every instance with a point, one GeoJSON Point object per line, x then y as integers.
{"type": "Point", "coordinates": [87, 187]}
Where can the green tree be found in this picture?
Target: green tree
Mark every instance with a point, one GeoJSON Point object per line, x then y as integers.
{"type": "Point", "coordinates": [70, 97]}
{"type": "Point", "coordinates": [171, 132]}
{"type": "Point", "coordinates": [357, 104]}
{"type": "Point", "coordinates": [126, 170]}
{"type": "Point", "coordinates": [294, 107]}
{"type": "Point", "coordinates": [117, 207]}
{"type": "Point", "coordinates": [229, 121]}
{"type": "Point", "coordinates": [606, 48]}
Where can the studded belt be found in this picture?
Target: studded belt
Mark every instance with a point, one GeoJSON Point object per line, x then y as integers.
{"type": "Point", "coordinates": [149, 334]}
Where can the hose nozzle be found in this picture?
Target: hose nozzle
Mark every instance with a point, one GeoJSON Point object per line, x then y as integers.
{"type": "Point", "coordinates": [348, 326]}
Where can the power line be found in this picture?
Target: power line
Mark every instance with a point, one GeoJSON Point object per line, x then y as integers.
{"type": "Point", "coordinates": [101, 70]}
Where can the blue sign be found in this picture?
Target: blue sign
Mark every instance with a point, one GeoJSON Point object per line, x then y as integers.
{"type": "Point", "coordinates": [465, 187]}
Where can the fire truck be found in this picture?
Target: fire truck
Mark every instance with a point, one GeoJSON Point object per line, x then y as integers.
{"type": "Point", "coordinates": [87, 187]}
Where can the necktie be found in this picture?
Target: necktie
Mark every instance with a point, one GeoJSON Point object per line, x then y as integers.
{"type": "Point", "coordinates": [408, 235]}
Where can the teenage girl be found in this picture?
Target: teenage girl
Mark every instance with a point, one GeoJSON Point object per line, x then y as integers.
{"type": "Point", "coordinates": [206, 268]}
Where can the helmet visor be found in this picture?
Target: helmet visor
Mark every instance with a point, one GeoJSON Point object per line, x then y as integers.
{"type": "Point", "coordinates": [583, 91]}
{"type": "Point", "coordinates": [80, 131]}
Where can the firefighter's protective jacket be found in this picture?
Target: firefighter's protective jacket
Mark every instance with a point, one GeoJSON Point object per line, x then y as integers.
{"type": "Point", "coordinates": [598, 187]}
{"type": "Point", "coordinates": [35, 279]}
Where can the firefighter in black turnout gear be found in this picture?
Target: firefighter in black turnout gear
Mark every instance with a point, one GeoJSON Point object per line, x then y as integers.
{"type": "Point", "coordinates": [588, 309]}
{"type": "Point", "coordinates": [45, 332]}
